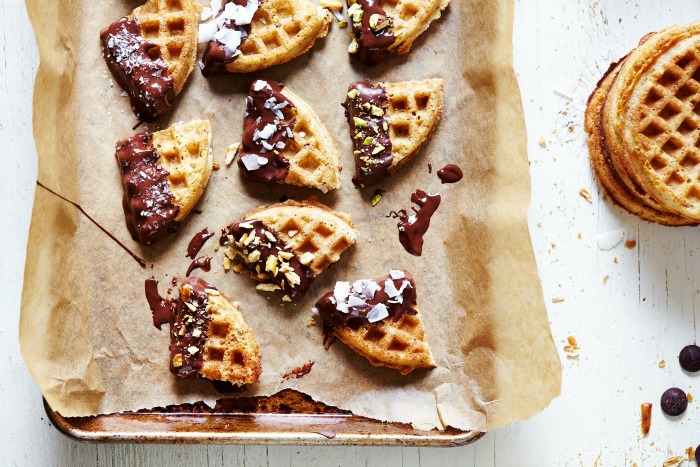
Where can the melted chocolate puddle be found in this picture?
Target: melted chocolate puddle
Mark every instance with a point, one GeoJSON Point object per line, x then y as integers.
{"type": "Point", "coordinates": [138, 259]}
{"type": "Point", "coordinates": [163, 309]}
{"type": "Point", "coordinates": [200, 263]}
{"type": "Point", "coordinates": [412, 228]}
{"type": "Point", "coordinates": [451, 173]}
{"type": "Point", "coordinates": [197, 242]}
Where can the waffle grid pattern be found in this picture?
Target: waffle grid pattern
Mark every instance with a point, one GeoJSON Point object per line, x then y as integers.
{"type": "Point", "coordinates": [411, 19]}
{"type": "Point", "coordinates": [671, 118]}
{"type": "Point", "coordinates": [172, 25]}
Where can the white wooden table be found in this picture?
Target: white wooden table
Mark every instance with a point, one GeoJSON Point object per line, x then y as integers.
{"type": "Point", "coordinates": [644, 313]}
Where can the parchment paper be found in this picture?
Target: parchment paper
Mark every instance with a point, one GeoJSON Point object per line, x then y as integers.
{"type": "Point", "coordinates": [86, 331]}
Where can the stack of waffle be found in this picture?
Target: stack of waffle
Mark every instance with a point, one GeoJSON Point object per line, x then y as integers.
{"type": "Point", "coordinates": [643, 122]}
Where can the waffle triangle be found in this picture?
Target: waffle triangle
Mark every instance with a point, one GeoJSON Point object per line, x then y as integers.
{"type": "Point", "coordinates": [281, 30]}
{"type": "Point", "coordinates": [411, 18]}
{"type": "Point", "coordinates": [309, 227]}
{"type": "Point", "coordinates": [184, 151]}
{"type": "Point", "coordinates": [172, 26]}
{"type": "Point", "coordinates": [396, 340]}
{"type": "Point", "coordinates": [414, 111]}
{"type": "Point", "coordinates": [228, 350]}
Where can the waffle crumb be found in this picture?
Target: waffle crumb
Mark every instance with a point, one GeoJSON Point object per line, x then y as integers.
{"type": "Point", "coordinates": [231, 153]}
{"type": "Point", "coordinates": [215, 166]}
{"type": "Point", "coordinates": [689, 396]}
{"type": "Point", "coordinates": [662, 364]}
{"type": "Point", "coordinates": [311, 321]}
{"type": "Point", "coordinates": [585, 195]}
{"type": "Point", "coordinates": [543, 143]}
{"type": "Point", "coordinates": [606, 278]}
{"type": "Point", "coordinates": [630, 244]}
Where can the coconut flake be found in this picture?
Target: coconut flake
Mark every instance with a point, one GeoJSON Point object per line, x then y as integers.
{"type": "Point", "coordinates": [206, 14]}
{"type": "Point", "coordinates": [245, 225]}
{"type": "Point", "coordinates": [354, 302]}
{"type": "Point", "coordinates": [369, 290]}
{"type": "Point", "coordinates": [259, 84]}
{"type": "Point", "coordinates": [215, 6]}
{"type": "Point", "coordinates": [341, 291]}
{"type": "Point", "coordinates": [609, 240]}
{"type": "Point", "coordinates": [378, 313]}
{"type": "Point", "coordinates": [357, 286]}
{"type": "Point", "coordinates": [390, 288]}
{"type": "Point", "coordinates": [263, 160]}
{"type": "Point", "coordinates": [396, 274]}
{"type": "Point", "coordinates": [207, 31]}
{"type": "Point", "coordinates": [268, 131]}
{"type": "Point", "coordinates": [250, 161]}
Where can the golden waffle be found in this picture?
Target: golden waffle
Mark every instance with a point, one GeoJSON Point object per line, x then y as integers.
{"type": "Point", "coordinates": [184, 152]}
{"type": "Point", "coordinates": [231, 352]}
{"type": "Point", "coordinates": [400, 345]}
{"type": "Point", "coordinates": [309, 227]}
{"type": "Point", "coordinates": [653, 111]}
{"type": "Point", "coordinates": [606, 174]}
{"type": "Point", "coordinates": [281, 30]}
{"type": "Point", "coordinates": [313, 158]}
{"type": "Point", "coordinates": [172, 25]}
{"type": "Point", "coordinates": [411, 19]}
{"type": "Point", "coordinates": [414, 111]}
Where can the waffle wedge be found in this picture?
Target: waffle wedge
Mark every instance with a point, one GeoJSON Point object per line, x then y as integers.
{"type": "Point", "coordinates": [389, 123]}
{"type": "Point", "coordinates": [292, 144]}
{"type": "Point", "coordinates": [285, 246]}
{"type": "Point", "coordinates": [164, 175]}
{"type": "Point", "coordinates": [152, 52]}
{"type": "Point", "coordinates": [605, 173]}
{"type": "Point", "coordinates": [379, 320]}
{"type": "Point", "coordinates": [280, 31]}
{"type": "Point", "coordinates": [652, 115]}
{"type": "Point", "coordinates": [209, 337]}
{"type": "Point", "coordinates": [381, 26]}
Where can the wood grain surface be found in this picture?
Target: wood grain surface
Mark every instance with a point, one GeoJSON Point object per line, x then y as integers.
{"type": "Point", "coordinates": [628, 308]}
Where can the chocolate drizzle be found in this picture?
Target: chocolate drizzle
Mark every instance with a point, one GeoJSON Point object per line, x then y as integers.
{"type": "Point", "coordinates": [203, 263]}
{"type": "Point", "coordinates": [267, 257]}
{"type": "Point", "coordinates": [412, 228]}
{"type": "Point", "coordinates": [138, 68]}
{"type": "Point", "coordinates": [138, 259]}
{"type": "Point", "coordinates": [451, 173]}
{"type": "Point", "coordinates": [266, 130]}
{"type": "Point", "coordinates": [148, 204]}
{"type": "Point", "coordinates": [373, 33]}
{"type": "Point", "coordinates": [163, 309]}
{"type": "Point", "coordinates": [190, 329]}
{"type": "Point", "coordinates": [367, 301]}
{"type": "Point", "coordinates": [216, 56]}
{"type": "Point", "coordinates": [197, 242]}
{"type": "Point", "coordinates": [365, 107]}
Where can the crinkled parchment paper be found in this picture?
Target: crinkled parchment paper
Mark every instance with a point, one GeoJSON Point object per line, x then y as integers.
{"type": "Point", "coordinates": [86, 331]}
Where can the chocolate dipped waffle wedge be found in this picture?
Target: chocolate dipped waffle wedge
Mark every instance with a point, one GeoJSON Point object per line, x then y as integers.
{"type": "Point", "coordinates": [379, 320]}
{"type": "Point", "coordinates": [389, 123]}
{"type": "Point", "coordinates": [285, 246]}
{"type": "Point", "coordinates": [210, 339]}
{"type": "Point", "coordinates": [285, 142]}
{"type": "Point", "coordinates": [151, 52]}
{"type": "Point", "coordinates": [389, 26]}
{"type": "Point", "coordinates": [251, 35]}
{"type": "Point", "coordinates": [164, 175]}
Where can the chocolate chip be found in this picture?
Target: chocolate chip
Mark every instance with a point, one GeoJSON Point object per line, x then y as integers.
{"type": "Point", "coordinates": [690, 358]}
{"type": "Point", "coordinates": [697, 455]}
{"type": "Point", "coordinates": [674, 402]}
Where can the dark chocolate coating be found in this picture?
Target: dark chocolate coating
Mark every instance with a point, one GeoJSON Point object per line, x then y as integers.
{"type": "Point", "coordinates": [674, 402]}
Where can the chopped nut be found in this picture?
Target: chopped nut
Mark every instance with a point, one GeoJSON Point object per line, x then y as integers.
{"type": "Point", "coordinates": [378, 22]}
{"type": "Point", "coordinates": [332, 4]}
{"type": "Point", "coordinates": [662, 363]}
{"type": "Point", "coordinates": [177, 360]}
{"type": "Point", "coordinates": [238, 267]}
{"type": "Point", "coordinates": [311, 321]}
{"type": "Point", "coordinates": [231, 153]}
{"type": "Point", "coordinates": [557, 299]}
{"type": "Point", "coordinates": [191, 306]}
{"type": "Point", "coordinates": [375, 199]}
{"type": "Point", "coordinates": [377, 149]}
{"type": "Point", "coordinates": [376, 111]}
{"type": "Point", "coordinates": [215, 166]}
{"type": "Point", "coordinates": [271, 264]}
{"type": "Point", "coordinates": [353, 48]}
{"type": "Point", "coordinates": [674, 461]}
{"type": "Point", "coordinates": [286, 298]}
{"type": "Point", "coordinates": [254, 256]}
{"type": "Point", "coordinates": [585, 195]}
{"type": "Point", "coordinates": [216, 246]}
{"type": "Point", "coordinates": [197, 332]}
{"type": "Point", "coordinates": [572, 341]}
{"type": "Point", "coordinates": [193, 349]}
{"type": "Point", "coordinates": [630, 244]}
{"type": "Point", "coordinates": [342, 24]}
{"type": "Point", "coordinates": [306, 258]}
{"type": "Point", "coordinates": [359, 122]}
{"type": "Point", "coordinates": [689, 396]}
{"type": "Point", "coordinates": [542, 142]}
{"type": "Point", "coordinates": [353, 93]}
{"type": "Point", "coordinates": [182, 331]}
{"type": "Point", "coordinates": [286, 255]}
{"type": "Point", "coordinates": [292, 233]}
{"type": "Point", "coordinates": [646, 418]}
{"type": "Point", "coordinates": [267, 287]}
{"type": "Point", "coordinates": [293, 278]}
{"type": "Point", "coordinates": [270, 236]}
{"type": "Point", "coordinates": [690, 452]}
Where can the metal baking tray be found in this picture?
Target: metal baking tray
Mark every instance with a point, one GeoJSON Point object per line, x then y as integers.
{"type": "Point", "coordinates": [288, 417]}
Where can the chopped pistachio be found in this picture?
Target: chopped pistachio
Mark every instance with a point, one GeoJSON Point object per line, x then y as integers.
{"type": "Point", "coordinates": [377, 111]}
{"type": "Point", "coordinates": [375, 199]}
{"type": "Point", "coordinates": [353, 48]}
{"type": "Point", "coordinates": [342, 24]}
{"type": "Point", "coordinates": [359, 122]}
{"type": "Point", "coordinates": [377, 149]}
{"type": "Point", "coordinates": [353, 93]}
{"type": "Point", "coordinates": [368, 141]}
{"type": "Point", "coordinates": [385, 125]}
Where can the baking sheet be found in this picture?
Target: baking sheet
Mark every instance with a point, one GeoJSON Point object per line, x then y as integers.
{"type": "Point", "coordinates": [85, 327]}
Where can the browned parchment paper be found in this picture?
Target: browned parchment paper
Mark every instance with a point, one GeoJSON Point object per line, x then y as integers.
{"type": "Point", "coordinates": [86, 331]}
